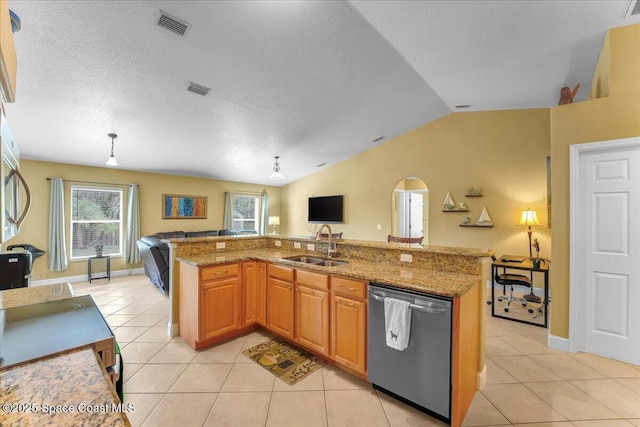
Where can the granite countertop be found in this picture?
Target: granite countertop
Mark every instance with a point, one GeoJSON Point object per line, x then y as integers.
{"type": "Point", "coordinates": [38, 393]}
{"type": "Point", "coordinates": [400, 276]}
{"type": "Point", "coordinates": [35, 294]}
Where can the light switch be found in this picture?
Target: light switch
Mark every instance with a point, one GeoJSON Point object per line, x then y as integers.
{"type": "Point", "coordinates": [406, 257]}
{"type": "Point", "coordinates": [278, 243]}
{"type": "Point", "coordinates": [379, 227]}
{"type": "Point", "coordinates": [311, 247]}
{"type": "Point", "coordinates": [221, 245]}
{"type": "Point", "coordinates": [296, 245]}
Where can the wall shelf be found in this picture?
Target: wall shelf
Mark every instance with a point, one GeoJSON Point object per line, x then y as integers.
{"type": "Point", "coordinates": [455, 210]}
{"type": "Point", "coordinates": [473, 195]}
{"type": "Point", "coordinates": [477, 225]}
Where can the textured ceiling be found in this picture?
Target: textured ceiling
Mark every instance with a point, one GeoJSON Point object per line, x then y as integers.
{"type": "Point", "coordinates": [312, 82]}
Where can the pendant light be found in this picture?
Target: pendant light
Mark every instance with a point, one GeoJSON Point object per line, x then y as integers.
{"type": "Point", "coordinates": [276, 170]}
{"type": "Point", "coordinates": [111, 161]}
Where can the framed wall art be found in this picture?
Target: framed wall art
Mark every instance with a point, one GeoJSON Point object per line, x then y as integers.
{"type": "Point", "coordinates": [184, 207]}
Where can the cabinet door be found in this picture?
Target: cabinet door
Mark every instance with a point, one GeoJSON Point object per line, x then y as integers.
{"type": "Point", "coordinates": [312, 319]}
{"type": "Point", "coordinates": [348, 332]}
{"type": "Point", "coordinates": [280, 307]}
{"type": "Point", "coordinates": [249, 294]}
{"type": "Point", "coordinates": [261, 293]}
{"type": "Point", "coordinates": [220, 307]}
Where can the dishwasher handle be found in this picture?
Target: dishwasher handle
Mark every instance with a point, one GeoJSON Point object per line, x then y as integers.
{"type": "Point", "coordinates": [429, 310]}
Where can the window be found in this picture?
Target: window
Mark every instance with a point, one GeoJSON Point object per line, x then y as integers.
{"type": "Point", "coordinates": [246, 212]}
{"type": "Point", "coordinates": [96, 219]}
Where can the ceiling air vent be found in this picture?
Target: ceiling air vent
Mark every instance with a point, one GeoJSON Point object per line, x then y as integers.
{"type": "Point", "coordinates": [199, 89]}
{"type": "Point", "coordinates": [378, 139]}
{"type": "Point", "coordinates": [172, 23]}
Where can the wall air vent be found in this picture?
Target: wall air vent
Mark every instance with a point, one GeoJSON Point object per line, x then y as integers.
{"type": "Point", "coordinates": [172, 23]}
{"type": "Point", "coordinates": [199, 89]}
{"type": "Point", "coordinates": [378, 139]}
{"type": "Point", "coordinates": [461, 106]}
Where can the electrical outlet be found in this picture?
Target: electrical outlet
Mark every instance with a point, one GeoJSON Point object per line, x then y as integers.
{"type": "Point", "coordinates": [406, 274]}
{"type": "Point", "coordinates": [379, 227]}
{"type": "Point", "coordinates": [278, 243]}
{"type": "Point", "coordinates": [221, 245]}
{"type": "Point", "coordinates": [296, 245]}
{"type": "Point", "coordinates": [311, 247]}
{"type": "Point", "coordinates": [406, 257]}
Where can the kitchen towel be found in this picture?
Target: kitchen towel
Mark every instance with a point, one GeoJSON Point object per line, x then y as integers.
{"type": "Point", "coordinates": [397, 323]}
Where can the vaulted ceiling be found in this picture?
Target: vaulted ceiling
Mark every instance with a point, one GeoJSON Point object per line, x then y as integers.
{"type": "Point", "coordinates": [313, 82]}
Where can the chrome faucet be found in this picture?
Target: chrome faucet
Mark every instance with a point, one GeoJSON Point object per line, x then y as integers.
{"type": "Point", "coordinates": [332, 246]}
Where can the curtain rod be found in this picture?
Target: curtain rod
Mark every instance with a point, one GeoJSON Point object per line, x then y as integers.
{"type": "Point", "coordinates": [94, 182]}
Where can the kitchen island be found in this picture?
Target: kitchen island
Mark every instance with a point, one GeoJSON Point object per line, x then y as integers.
{"type": "Point", "coordinates": [252, 283]}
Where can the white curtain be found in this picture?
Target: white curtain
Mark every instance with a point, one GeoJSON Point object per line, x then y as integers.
{"type": "Point", "coordinates": [133, 225]}
{"type": "Point", "coordinates": [227, 220]}
{"type": "Point", "coordinates": [57, 247]}
{"type": "Point", "coordinates": [264, 205]}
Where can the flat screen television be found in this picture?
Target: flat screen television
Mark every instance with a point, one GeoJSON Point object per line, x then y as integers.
{"type": "Point", "coordinates": [326, 209]}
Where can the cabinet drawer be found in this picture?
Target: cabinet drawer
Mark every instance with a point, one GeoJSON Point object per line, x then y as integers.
{"type": "Point", "coordinates": [218, 272]}
{"type": "Point", "coordinates": [314, 280]}
{"type": "Point", "coordinates": [356, 288]}
{"type": "Point", "coordinates": [280, 272]}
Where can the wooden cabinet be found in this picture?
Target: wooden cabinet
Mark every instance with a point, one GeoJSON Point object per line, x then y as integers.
{"type": "Point", "coordinates": [349, 323]}
{"type": "Point", "coordinates": [8, 60]}
{"type": "Point", "coordinates": [312, 311]}
{"type": "Point", "coordinates": [280, 297]}
{"type": "Point", "coordinates": [254, 293]}
{"type": "Point", "coordinates": [210, 302]}
{"type": "Point", "coordinates": [261, 293]}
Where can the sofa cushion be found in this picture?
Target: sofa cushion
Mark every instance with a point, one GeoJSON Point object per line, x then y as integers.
{"type": "Point", "coordinates": [202, 233]}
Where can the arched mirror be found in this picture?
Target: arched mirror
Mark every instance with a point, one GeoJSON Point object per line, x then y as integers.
{"type": "Point", "coordinates": [410, 209]}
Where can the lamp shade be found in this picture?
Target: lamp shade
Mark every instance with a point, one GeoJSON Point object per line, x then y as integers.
{"type": "Point", "coordinates": [274, 220]}
{"type": "Point", "coordinates": [529, 218]}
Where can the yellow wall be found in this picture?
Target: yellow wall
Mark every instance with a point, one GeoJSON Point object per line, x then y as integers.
{"type": "Point", "coordinates": [504, 152]}
{"type": "Point", "coordinates": [35, 228]}
{"type": "Point", "coordinates": [613, 117]}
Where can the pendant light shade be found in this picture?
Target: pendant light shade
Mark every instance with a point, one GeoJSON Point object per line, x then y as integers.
{"type": "Point", "coordinates": [111, 161]}
{"type": "Point", "coordinates": [276, 170]}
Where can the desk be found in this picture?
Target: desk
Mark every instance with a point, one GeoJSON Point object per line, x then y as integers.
{"type": "Point", "coordinates": [108, 272]}
{"type": "Point", "coordinates": [524, 265]}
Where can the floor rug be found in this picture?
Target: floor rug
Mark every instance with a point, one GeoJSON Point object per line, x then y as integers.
{"type": "Point", "coordinates": [285, 361]}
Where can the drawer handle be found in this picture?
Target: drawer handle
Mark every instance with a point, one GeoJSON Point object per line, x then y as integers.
{"type": "Point", "coordinates": [217, 273]}
{"type": "Point", "coordinates": [347, 288]}
{"type": "Point", "coordinates": [350, 304]}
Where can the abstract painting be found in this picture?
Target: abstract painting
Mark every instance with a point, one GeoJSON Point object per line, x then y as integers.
{"type": "Point", "coordinates": [181, 207]}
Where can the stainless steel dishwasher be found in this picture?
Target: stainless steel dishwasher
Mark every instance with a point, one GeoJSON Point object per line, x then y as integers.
{"type": "Point", "coordinates": [420, 374]}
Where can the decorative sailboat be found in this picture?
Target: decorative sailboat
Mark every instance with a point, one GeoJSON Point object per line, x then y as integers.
{"type": "Point", "coordinates": [484, 218]}
{"type": "Point", "coordinates": [448, 203]}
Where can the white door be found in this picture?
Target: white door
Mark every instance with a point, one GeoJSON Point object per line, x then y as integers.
{"type": "Point", "coordinates": [606, 250]}
{"type": "Point", "coordinates": [416, 202]}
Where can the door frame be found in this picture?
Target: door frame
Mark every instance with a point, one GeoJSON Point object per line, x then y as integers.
{"type": "Point", "coordinates": [577, 240]}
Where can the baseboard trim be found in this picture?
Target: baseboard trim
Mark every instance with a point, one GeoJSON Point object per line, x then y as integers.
{"type": "Point", "coordinates": [84, 278]}
{"type": "Point", "coordinates": [558, 343]}
{"type": "Point", "coordinates": [482, 378]}
{"type": "Point", "coordinates": [173, 329]}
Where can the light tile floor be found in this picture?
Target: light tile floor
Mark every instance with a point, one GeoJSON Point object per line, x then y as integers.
{"type": "Point", "coordinates": [529, 384]}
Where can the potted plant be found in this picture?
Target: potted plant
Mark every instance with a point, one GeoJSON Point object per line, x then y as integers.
{"type": "Point", "coordinates": [99, 248]}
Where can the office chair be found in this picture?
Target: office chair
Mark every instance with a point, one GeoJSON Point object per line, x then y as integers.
{"type": "Point", "coordinates": [511, 280]}
{"type": "Point", "coordinates": [397, 239]}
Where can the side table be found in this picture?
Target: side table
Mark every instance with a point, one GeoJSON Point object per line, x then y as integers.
{"type": "Point", "coordinates": [108, 272]}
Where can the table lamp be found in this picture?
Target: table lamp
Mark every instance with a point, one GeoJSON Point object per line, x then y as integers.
{"type": "Point", "coordinates": [529, 218]}
{"type": "Point", "coordinates": [274, 220]}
